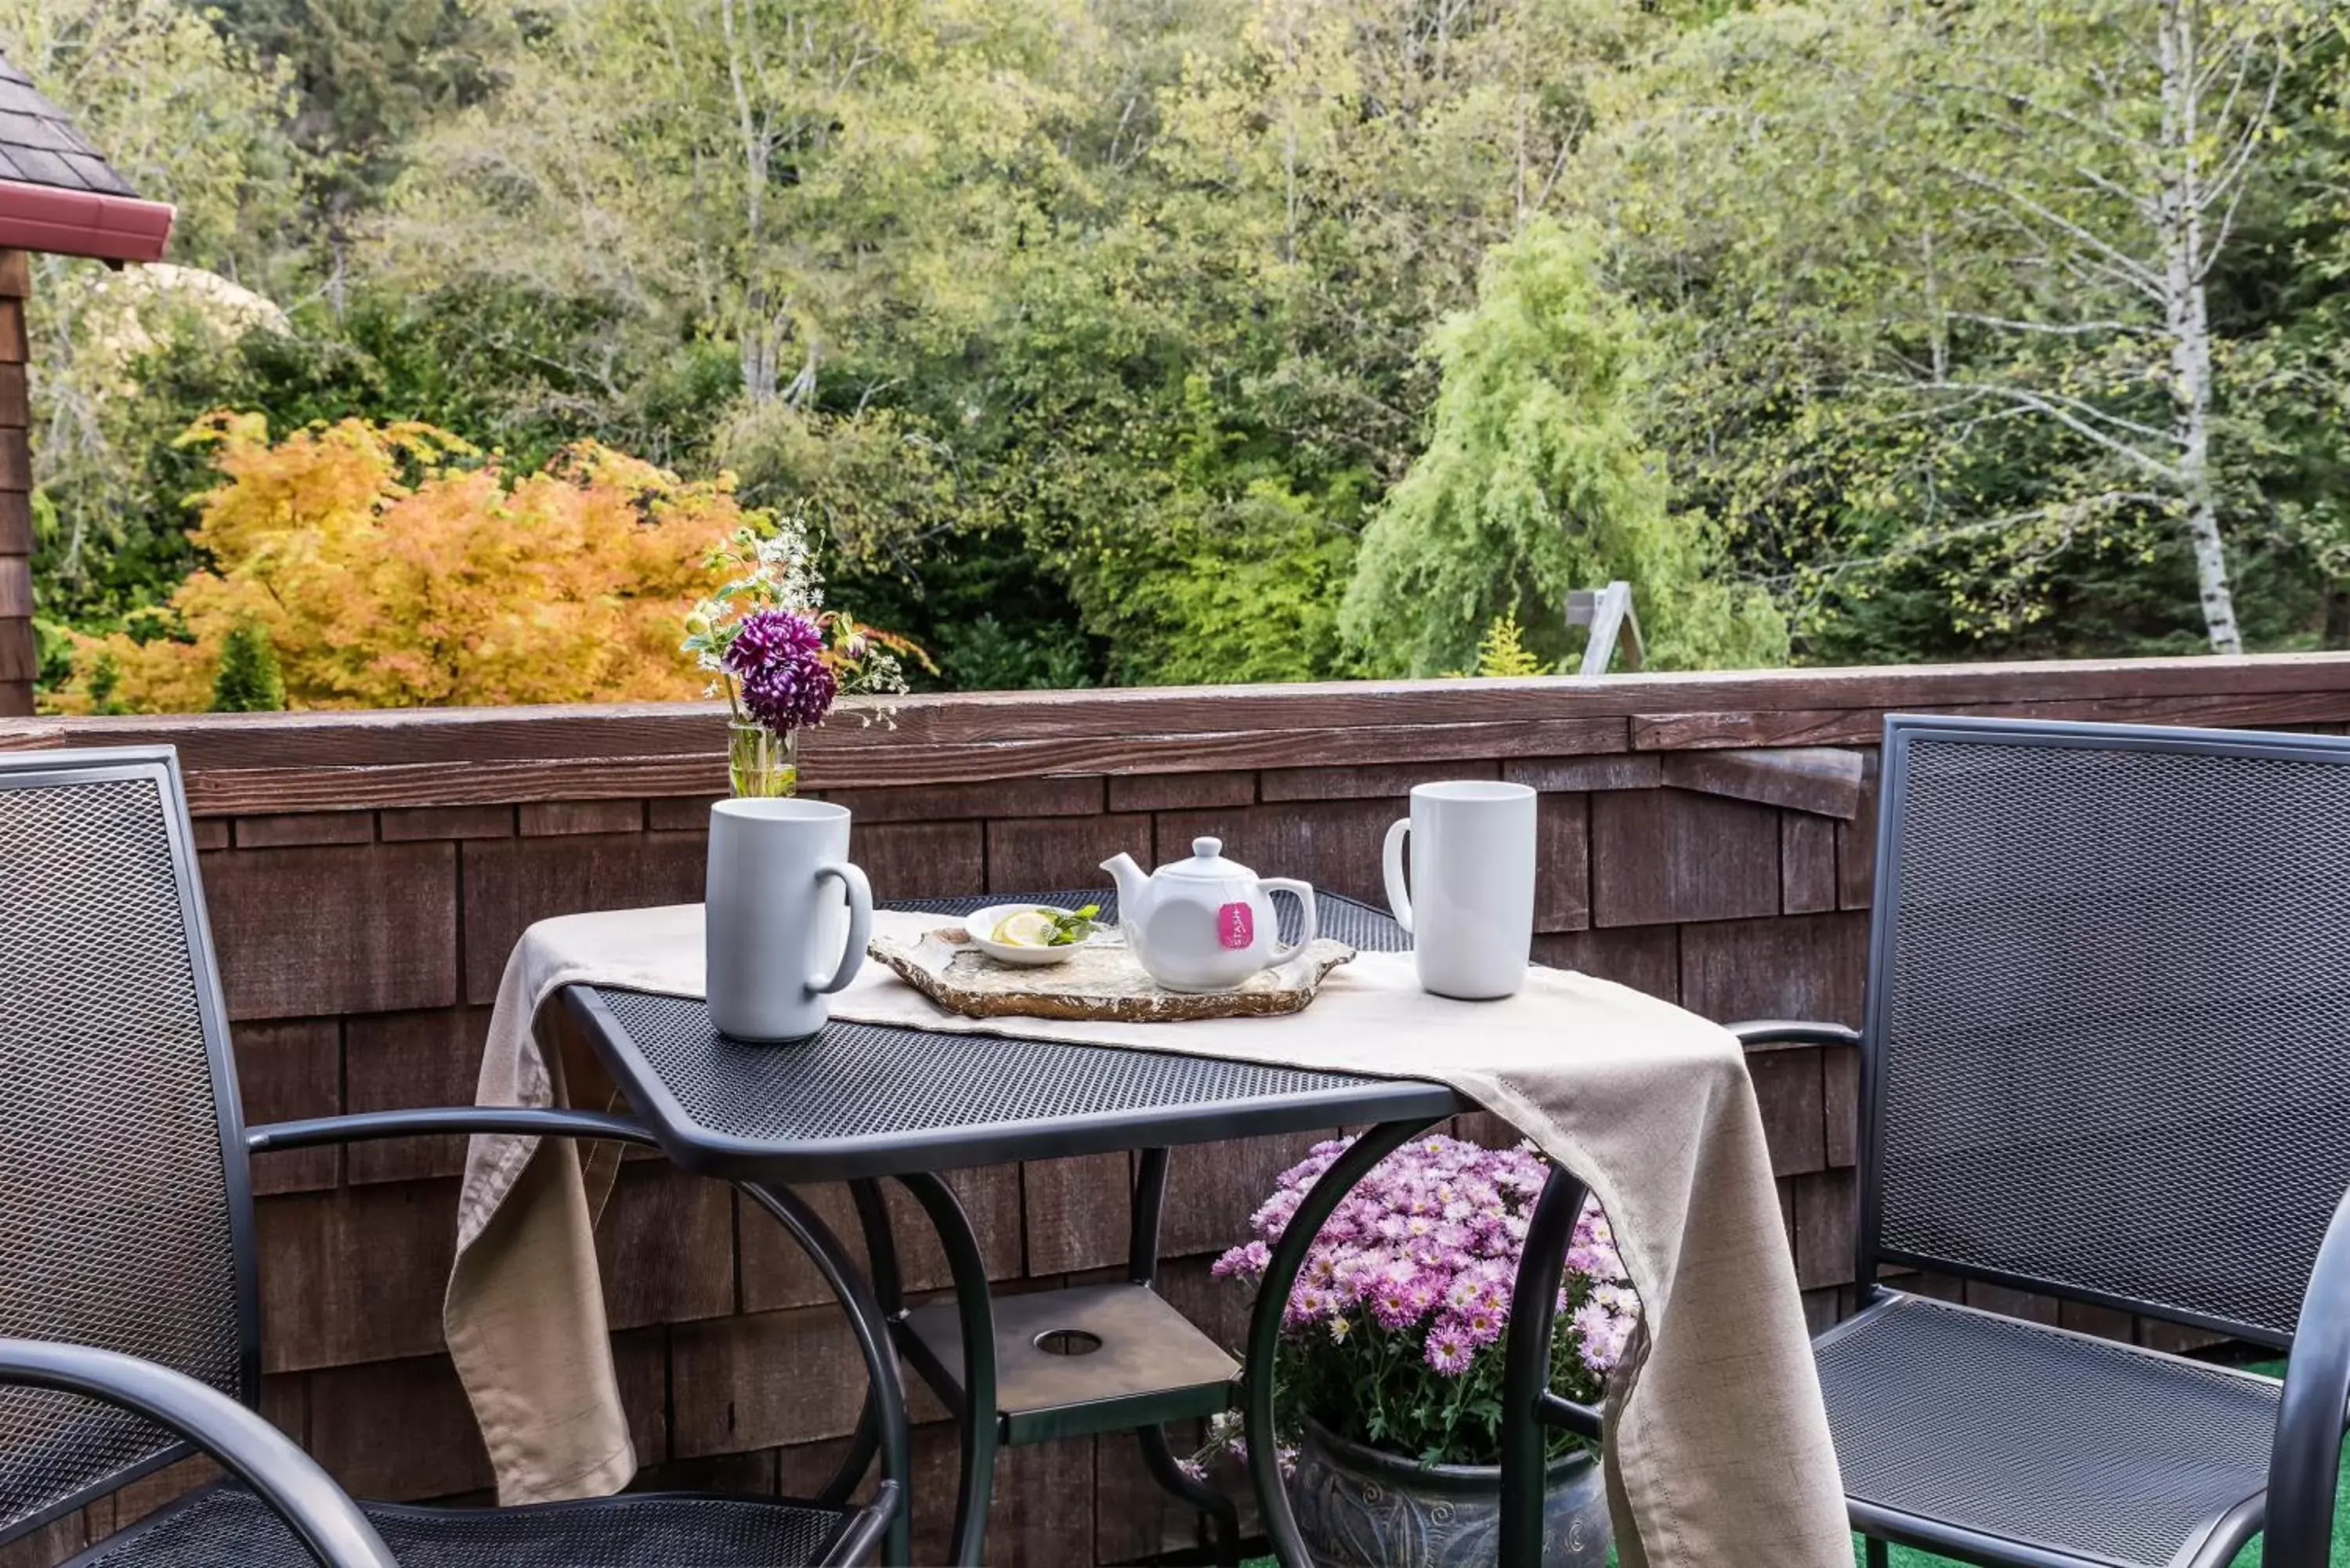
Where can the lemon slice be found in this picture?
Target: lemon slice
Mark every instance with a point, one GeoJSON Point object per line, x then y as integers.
{"type": "Point", "coordinates": [1028, 928]}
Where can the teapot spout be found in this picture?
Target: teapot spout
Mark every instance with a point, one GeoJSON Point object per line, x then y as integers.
{"type": "Point", "coordinates": [1133, 891]}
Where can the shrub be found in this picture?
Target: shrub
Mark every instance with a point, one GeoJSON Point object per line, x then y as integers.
{"type": "Point", "coordinates": [394, 565]}
{"type": "Point", "coordinates": [250, 680]}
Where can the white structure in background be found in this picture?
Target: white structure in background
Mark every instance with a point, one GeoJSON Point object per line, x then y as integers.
{"type": "Point", "coordinates": [132, 311]}
{"type": "Point", "coordinates": [1609, 613]}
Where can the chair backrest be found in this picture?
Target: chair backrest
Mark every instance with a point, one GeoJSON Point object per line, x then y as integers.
{"type": "Point", "coordinates": [125, 1219]}
{"type": "Point", "coordinates": [2108, 1037]}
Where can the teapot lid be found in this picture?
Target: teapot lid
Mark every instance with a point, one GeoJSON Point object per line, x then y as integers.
{"type": "Point", "coordinates": [1206, 862]}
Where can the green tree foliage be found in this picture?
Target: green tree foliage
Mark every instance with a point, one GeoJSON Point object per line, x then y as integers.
{"type": "Point", "coordinates": [1141, 340]}
{"type": "Point", "coordinates": [250, 679]}
{"type": "Point", "coordinates": [189, 116]}
{"type": "Point", "coordinates": [370, 75]}
{"type": "Point", "coordinates": [1929, 358]}
{"type": "Point", "coordinates": [778, 177]}
{"type": "Point", "coordinates": [1536, 483]}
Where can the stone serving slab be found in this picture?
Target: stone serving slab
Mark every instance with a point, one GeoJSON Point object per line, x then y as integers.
{"type": "Point", "coordinates": [1103, 980]}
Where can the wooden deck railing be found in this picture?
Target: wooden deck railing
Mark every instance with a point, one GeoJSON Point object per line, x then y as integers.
{"type": "Point", "coordinates": [365, 760]}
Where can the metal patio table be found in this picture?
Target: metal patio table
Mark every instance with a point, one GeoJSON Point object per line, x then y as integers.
{"type": "Point", "coordinates": [861, 1104]}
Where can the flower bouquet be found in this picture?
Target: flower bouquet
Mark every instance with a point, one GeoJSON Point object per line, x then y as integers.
{"type": "Point", "coordinates": [781, 658]}
{"type": "Point", "coordinates": [1392, 1350]}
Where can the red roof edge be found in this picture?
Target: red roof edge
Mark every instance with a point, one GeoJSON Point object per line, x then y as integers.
{"type": "Point", "coordinates": [82, 224]}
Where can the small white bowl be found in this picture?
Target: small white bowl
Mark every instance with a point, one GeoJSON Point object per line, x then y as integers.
{"type": "Point", "coordinates": [980, 923]}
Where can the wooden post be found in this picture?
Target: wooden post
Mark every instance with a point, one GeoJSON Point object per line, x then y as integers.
{"type": "Point", "coordinates": [1609, 613]}
{"type": "Point", "coordinates": [18, 655]}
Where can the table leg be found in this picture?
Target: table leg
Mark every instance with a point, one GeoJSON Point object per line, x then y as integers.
{"type": "Point", "coordinates": [885, 1397]}
{"type": "Point", "coordinates": [1525, 1367]}
{"type": "Point", "coordinates": [1223, 1519]}
{"type": "Point", "coordinates": [880, 1245]}
{"type": "Point", "coordinates": [1150, 1199]}
{"type": "Point", "coordinates": [975, 1316]}
{"type": "Point", "coordinates": [1157, 1455]}
{"type": "Point", "coordinates": [1265, 1325]}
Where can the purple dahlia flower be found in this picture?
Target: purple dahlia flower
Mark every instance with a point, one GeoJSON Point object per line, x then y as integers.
{"type": "Point", "coordinates": [777, 662]}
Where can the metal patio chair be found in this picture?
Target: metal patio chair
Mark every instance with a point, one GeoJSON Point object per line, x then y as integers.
{"type": "Point", "coordinates": [2106, 1059]}
{"type": "Point", "coordinates": [129, 1335]}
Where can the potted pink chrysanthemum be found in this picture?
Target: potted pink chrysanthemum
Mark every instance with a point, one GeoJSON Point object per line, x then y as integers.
{"type": "Point", "coordinates": [1391, 1355]}
{"type": "Point", "coordinates": [780, 657]}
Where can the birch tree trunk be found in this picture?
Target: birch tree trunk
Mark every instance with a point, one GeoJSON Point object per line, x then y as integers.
{"type": "Point", "coordinates": [2131, 185]}
{"type": "Point", "coordinates": [2187, 317]}
{"type": "Point", "coordinates": [2191, 391]}
{"type": "Point", "coordinates": [759, 352]}
{"type": "Point", "coordinates": [758, 338]}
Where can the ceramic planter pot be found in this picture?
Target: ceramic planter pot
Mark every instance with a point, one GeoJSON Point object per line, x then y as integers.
{"type": "Point", "coordinates": [1358, 1508]}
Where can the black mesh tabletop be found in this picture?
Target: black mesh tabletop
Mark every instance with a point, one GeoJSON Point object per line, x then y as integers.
{"type": "Point", "coordinates": [230, 1525]}
{"type": "Point", "coordinates": [867, 1100]}
{"type": "Point", "coordinates": [2035, 1436]}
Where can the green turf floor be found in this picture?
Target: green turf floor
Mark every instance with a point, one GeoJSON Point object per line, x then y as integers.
{"type": "Point", "coordinates": [1903, 1557]}
{"type": "Point", "coordinates": [2249, 1558]}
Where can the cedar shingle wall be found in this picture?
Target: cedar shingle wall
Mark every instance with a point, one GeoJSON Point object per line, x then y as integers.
{"type": "Point", "coordinates": [360, 949]}
{"type": "Point", "coordinates": [18, 657]}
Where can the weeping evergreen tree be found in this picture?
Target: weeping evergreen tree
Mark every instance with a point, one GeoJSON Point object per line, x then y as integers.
{"type": "Point", "coordinates": [1536, 482]}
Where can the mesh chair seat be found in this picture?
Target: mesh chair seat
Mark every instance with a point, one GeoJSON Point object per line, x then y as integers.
{"type": "Point", "coordinates": [2033, 1436]}
{"type": "Point", "coordinates": [227, 1524]}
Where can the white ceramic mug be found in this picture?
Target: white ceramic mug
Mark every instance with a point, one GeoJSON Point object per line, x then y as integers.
{"type": "Point", "coordinates": [785, 918]}
{"type": "Point", "coordinates": [1469, 901]}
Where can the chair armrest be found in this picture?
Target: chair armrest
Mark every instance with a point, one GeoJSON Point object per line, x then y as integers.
{"type": "Point", "coordinates": [257, 1453]}
{"type": "Point", "coordinates": [531, 1121]}
{"type": "Point", "coordinates": [2304, 1465]}
{"type": "Point", "coordinates": [1786, 1032]}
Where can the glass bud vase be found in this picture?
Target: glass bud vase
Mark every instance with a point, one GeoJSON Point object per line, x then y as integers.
{"type": "Point", "coordinates": [760, 764]}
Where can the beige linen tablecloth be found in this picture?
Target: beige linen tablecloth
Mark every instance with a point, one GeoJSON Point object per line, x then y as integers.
{"type": "Point", "coordinates": [1718, 1451]}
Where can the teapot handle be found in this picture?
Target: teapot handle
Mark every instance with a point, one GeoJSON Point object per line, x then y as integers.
{"type": "Point", "coordinates": [1305, 891]}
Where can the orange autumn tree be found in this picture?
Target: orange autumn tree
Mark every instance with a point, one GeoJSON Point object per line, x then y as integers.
{"type": "Point", "coordinates": [392, 566]}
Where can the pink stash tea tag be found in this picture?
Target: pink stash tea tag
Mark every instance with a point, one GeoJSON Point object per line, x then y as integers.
{"type": "Point", "coordinates": [1236, 925]}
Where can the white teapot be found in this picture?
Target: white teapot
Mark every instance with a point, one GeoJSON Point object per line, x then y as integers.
{"type": "Point", "coordinates": [1206, 923]}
